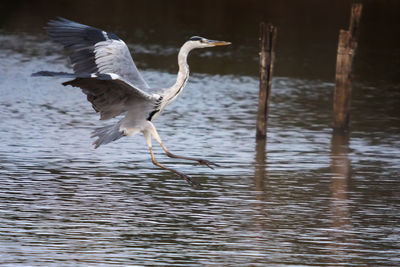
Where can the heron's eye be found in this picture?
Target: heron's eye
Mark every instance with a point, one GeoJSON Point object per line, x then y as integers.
{"type": "Point", "coordinates": [203, 41]}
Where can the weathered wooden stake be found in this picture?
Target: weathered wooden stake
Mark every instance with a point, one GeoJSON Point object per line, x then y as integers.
{"type": "Point", "coordinates": [268, 34]}
{"type": "Point", "coordinates": [347, 46]}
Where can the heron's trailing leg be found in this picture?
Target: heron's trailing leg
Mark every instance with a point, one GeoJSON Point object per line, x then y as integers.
{"type": "Point", "coordinates": [169, 154]}
{"type": "Point", "coordinates": [147, 135]}
{"type": "Point", "coordinates": [200, 161]}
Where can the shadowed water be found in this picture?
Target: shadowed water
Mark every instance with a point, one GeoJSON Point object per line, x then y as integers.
{"type": "Point", "coordinates": [313, 197]}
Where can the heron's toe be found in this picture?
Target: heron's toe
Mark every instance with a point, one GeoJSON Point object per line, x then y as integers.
{"type": "Point", "coordinates": [209, 164]}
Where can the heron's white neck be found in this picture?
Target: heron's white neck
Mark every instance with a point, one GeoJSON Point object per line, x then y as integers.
{"type": "Point", "coordinates": [183, 74]}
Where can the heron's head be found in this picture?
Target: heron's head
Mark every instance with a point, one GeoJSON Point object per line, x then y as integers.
{"type": "Point", "coordinates": [200, 42]}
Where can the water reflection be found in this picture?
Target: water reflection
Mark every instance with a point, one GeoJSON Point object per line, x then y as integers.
{"type": "Point", "coordinates": [341, 170]}
{"type": "Point", "coordinates": [261, 179]}
{"type": "Point", "coordinates": [260, 173]}
{"type": "Point", "coordinates": [342, 230]}
{"type": "Point", "coordinates": [301, 202]}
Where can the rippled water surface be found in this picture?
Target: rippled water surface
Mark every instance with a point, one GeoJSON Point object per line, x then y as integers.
{"type": "Point", "coordinates": [311, 198]}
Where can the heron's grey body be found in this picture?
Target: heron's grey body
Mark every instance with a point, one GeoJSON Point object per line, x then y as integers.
{"type": "Point", "coordinates": [105, 71]}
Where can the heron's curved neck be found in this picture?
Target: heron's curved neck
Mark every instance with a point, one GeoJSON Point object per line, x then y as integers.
{"type": "Point", "coordinates": [183, 74]}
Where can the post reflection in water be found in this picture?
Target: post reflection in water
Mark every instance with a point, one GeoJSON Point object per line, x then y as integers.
{"type": "Point", "coordinates": [341, 175]}
{"type": "Point", "coordinates": [260, 174]}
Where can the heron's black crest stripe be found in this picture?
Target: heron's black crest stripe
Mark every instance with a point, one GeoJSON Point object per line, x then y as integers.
{"type": "Point", "coordinates": [195, 38]}
{"type": "Point", "coordinates": [152, 114]}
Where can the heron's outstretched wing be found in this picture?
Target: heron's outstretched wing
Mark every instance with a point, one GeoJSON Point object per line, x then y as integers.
{"type": "Point", "coordinates": [111, 95]}
{"type": "Point", "coordinates": [95, 51]}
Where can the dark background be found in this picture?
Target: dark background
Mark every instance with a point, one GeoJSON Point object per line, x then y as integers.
{"type": "Point", "coordinates": [307, 31]}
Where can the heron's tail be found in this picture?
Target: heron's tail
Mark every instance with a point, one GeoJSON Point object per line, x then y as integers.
{"type": "Point", "coordinates": [107, 134]}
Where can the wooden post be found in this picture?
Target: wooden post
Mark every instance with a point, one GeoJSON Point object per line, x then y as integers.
{"type": "Point", "coordinates": [347, 46]}
{"type": "Point", "coordinates": [267, 56]}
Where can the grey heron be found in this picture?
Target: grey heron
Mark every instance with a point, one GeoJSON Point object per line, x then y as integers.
{"type": "Point", "coordinates": [104, 69]}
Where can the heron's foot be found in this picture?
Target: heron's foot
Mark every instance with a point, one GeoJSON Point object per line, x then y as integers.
{"type": "Point", "coordinates": [209, 164]}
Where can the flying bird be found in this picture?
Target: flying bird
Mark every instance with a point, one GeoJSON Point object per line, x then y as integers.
{"type": "Point", "coordinates": [104, 69]}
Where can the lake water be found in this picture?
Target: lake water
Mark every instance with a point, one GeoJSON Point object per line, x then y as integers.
{"type": "Point", "coordinates": [307, 197]}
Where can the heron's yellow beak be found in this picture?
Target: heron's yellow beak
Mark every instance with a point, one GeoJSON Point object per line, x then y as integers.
{"type": "Point", "coordinates": [218, 43]}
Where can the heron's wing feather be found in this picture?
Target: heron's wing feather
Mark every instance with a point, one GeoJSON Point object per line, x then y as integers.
{"type": "Point", "coordinates": [95, 51]}
{"type": "Point", "coordinates": [111, 95]}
